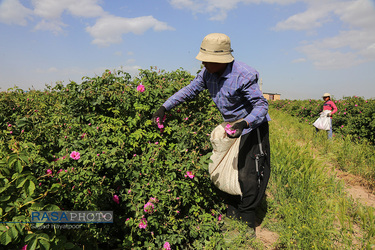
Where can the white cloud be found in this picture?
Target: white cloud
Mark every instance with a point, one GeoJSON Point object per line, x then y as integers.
{"type": "Point", "coordinates": [358, 13]}
{"type": "Point", "coordinates": [217, 10]}
{"type": "Point", "coordinates": [51, 11]}
{"type": "Point", "coordinates": [327, 59]}
{"type": "Point", "coordinates": [318, 12]}
{"type": "Point", "coordinates": [312, 18]}
{"type": "Point", "coordinates": [355, 42]}
{"type": "Point", "coordinates": [55, 26]}
{"type": "Point", "coordinates": [299, 60]}
{"type": "Point", "coordinates": [13, 12]}
{"type": "Point", "coordinates": [347, 49]}
{"type": "Point", "coordinates": [130, 61]}
{"type": "Point", "coordinates": [109, 29]}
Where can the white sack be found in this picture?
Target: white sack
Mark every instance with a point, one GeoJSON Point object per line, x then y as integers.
{"type": "Point", "coordinates": [323, 122]}
{"type": "Point", "coordinates": [224, 167]}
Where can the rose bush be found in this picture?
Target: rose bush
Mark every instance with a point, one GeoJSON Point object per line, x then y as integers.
{"type": "Point", "coordinates": [92, 147]}
{"type": "Point", "coordinates": [355, 116]}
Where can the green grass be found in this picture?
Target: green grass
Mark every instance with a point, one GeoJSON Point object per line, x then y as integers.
{"type": "Point", "coordinates": [308, 206]}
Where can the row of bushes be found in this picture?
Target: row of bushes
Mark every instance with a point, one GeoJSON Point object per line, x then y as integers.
{"type": "Point", "coordinates": [92, 147]}
{"type": "Point", "coordinates": [355, 115]}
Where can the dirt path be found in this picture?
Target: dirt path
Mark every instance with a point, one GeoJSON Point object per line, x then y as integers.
{"type": "Point", "coordinates": [267, 237]}
{"type": "Point", "coordinates": [355, 186]}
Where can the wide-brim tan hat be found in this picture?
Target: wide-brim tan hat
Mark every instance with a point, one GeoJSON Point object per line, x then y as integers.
{"type": "Point", "coordinates": [216, 48]}
{"type": "Point", "coordinates": [327, 95]}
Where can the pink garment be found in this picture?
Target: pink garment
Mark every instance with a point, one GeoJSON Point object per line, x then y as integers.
{"type": "Point", "coordinates": [330, 105]}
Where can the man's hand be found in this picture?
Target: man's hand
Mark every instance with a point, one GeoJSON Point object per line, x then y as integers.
{"type": "Point", "coordinates": [158, 114]}
{"type": "Point", "coordinates": [238, 127]}
{"type": "Point", "coordinates": [329, 115]}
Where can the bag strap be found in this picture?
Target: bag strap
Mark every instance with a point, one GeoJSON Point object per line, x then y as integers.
{"type": "Point", "coordinates": [259, 142]}
{"type": "Point", "coordinates": [257, 156]}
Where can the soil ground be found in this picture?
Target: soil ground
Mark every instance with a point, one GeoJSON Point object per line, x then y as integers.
{"type": "Point", "coordinates": [354, 186]}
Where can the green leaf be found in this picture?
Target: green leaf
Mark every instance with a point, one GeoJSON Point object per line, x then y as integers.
{"type": "Point", "coordinates": [24, 157]}
{"type": "Point", "coordinates": [29, 237]}
{"type": "Point", "coordinates": [5, 238]}
{"type": "Point", "coordinates": [22, 122]}
{"type": "Point", "coordinates": [51, 207]}
{"type": "Point", "coordinates": [45, 244]}
{"type": "Point", "coordinates": [3, 163]}
{"type": "Point", "coordinates": [43, 237]}
{"type": "Point", "coordinates": [55, 187]}
{"type": "Point", "coordinates": [14, 232]}
{"type": "Point", "coordinates": [69, 245]}
{"type": "Point", "coordinates": [19, 167]}
{"type": "Point", "coordinates": [20, 182]}
{"type": "Point", "coordinates": [36, 207]}
{"type": "Point", "coordinates": [4, 198]}
{"type": "Point", "coordinates": [12, 159]}
{"type": "Point", "coordinates": [29, 187]}
{"type": "Point", "coordinates": [33, 243]}
{"type": "Point", "coordinates": [2, 189]}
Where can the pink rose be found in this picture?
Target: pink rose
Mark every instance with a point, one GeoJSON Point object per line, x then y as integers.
{"type": "Point", "coordinates": [189, 174]}
{"type": "Point", "coordinates": [141, 88]}
{"type": "Point", "coordinates": [143, 223]}
{"type": "Point", "coordinates": [116, 199]}
{"type": "Point", "coordinates": [149, 207]}
{"type": "Point", "coordinates": [228, 130]}
{"type": "Point", "coordinates": [75, 155]}
{"type": "Point", "coordinates": [167, 246]}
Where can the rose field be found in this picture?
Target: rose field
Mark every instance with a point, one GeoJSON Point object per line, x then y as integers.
{"type": "Point", "coordinates": [92, 147]}
{"type": "Point", "coordinates": [355, 115]}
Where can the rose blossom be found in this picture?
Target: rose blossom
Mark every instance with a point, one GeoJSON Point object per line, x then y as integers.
{"type": "Point", "coordinates": [75, 155]}
{"type": "Point", "coordinates": [116, 199]}
{"type": "Point", "coordinates": [143, 223]}
{"type": "Point", "coordinates": [167, 246]}
{"type": "Point", "coordinates": [228, 130]}
{"type": "Point", "coordinates": [141, 88]}
{"type": "Point", "coordinates": [189, 174]}
{"type": "Point", "coordinates": [149, 207]}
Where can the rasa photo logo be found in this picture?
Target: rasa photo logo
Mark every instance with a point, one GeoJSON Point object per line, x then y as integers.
{"type": "Point", "coordinates": [71, 217]}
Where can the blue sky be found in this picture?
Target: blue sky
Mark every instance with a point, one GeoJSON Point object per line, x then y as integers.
{"type": "Point", "coordinates": [301, 48]}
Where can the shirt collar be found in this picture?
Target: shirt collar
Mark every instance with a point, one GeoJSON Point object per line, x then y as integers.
{"type": "Point", "coordinates": [228, 70]}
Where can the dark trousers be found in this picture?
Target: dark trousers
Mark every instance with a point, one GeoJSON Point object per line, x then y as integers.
{"type": "Point", "coordinates": [243, 208]}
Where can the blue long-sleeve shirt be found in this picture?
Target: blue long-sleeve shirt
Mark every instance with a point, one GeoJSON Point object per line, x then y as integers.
{"type": "Point", "coordinates": [236, 94]}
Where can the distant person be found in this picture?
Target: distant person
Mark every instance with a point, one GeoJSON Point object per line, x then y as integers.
{"type": "Point", "coordinates": [328, 106]}
{"type": "Point", "coordinates": [234, 88]}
